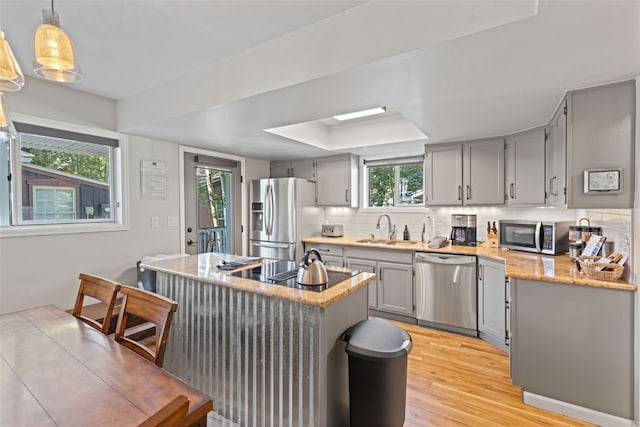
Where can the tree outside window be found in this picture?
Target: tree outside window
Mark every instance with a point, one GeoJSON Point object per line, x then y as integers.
{"type": "Point", "coordinates": [395, 184]}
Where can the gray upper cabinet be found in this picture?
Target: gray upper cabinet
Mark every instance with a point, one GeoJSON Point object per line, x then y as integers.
{"type": "Point", "coordinates": [525, 168]}
{"type": "Point", "coordinates": [469, 173]}
{"type": "Point", "coordinates": [443, 174]}
{"type": "Point", "coordinates": [555, 183]}
{"type": "Point", "coordinates": [337, 181]}
{"type": "Point", "coordinates": [483, 172]}
{"type": "Point", "coordinates": [601, 136]}
{"type": "Point", "coordinates": [304, 168]}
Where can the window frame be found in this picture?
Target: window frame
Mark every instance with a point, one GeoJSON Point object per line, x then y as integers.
{"type": "Point", "coordinates": [55, 189]}
{"type": "Point", "coordinates": [389, 161]}
{"type": "Point", "coordinates": [119, 185]}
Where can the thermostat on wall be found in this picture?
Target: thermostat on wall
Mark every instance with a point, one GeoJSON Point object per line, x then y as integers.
{"type": "Point", "coordinates": [602, 181]}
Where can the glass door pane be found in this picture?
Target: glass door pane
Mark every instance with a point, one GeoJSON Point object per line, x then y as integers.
{"type": "Point", "coordinates": [214, 202]}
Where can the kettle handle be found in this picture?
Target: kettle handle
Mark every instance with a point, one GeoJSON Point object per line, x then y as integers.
{"type": "Point", "coordinates": [316, 252]}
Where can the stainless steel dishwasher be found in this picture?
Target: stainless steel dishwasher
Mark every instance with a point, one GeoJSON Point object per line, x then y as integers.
{"type": "Point", "coordinates": [446, 292]}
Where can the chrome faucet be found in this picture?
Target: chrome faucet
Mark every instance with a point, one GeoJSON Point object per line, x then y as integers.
{"type": "Point", "coordinates": [391, 231]}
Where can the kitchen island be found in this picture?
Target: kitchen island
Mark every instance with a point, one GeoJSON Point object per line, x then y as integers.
{"type": "Point", "coordinates": [267, 354]}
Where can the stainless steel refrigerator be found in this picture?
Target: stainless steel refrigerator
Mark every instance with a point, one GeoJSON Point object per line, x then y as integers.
{"type": "Point", "coordinates": [283, 213]}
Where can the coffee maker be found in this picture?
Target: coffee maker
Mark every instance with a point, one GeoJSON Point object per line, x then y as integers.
{"type": "Point", "coordinates": [463, 230]}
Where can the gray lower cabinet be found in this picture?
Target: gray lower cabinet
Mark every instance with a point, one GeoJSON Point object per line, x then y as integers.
{"type": "Point", "coordinates": [392, 291]}
{"type": "Point", "coordinates": [492, 300]}
{"type": "Point", "coordinates": [370, 267]}
{"type": "Point", "coordinates": [574, 344]}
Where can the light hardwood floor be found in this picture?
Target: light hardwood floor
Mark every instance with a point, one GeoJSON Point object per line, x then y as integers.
{"type": "Point", "coordinates": [454, 380]}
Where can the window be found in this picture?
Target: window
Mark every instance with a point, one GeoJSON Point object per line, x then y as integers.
{"type": "Point", "coordinates": [53, 203]}
{"type": "Point", "coordinates": [60, 177]}
{"type": "Point", "coordinates": [394, 182]}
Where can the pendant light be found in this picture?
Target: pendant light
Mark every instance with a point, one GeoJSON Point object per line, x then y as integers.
{"type": "Point", "coordinates": [11, 78]}
{"type": "Point", "coordinates": [54, 58]}
{"type": "Point", "coordinates": [6, 126]}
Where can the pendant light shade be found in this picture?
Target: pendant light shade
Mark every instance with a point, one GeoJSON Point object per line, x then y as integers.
{"type": "Point", "coordinates": [6, 126]}
{"type": "Point", "coordinates": [54, 58]}
{"type": "Point", "coordinates": [11, 77]}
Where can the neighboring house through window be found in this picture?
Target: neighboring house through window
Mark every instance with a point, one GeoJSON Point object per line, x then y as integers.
{"type": "Point", "coordinates": [60, 176]}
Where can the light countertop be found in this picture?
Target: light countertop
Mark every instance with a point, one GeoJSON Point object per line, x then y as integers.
{"type": "Point", "coordinates": [203, 268]}
{"type": "Point", "coordinates": [520, 265]}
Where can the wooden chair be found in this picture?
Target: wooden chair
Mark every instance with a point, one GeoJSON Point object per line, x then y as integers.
{"type": "Point", "coordinates": [152, 308]}
{"type": "Point", "coordinates": [100, 289]}
{"type": "Point", "coordinates": [170, 415]}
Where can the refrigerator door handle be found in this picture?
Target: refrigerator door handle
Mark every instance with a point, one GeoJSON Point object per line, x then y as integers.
{"type": "Point", "coordinates": [268, 207]}
{"type": "Point", "coordinates": [272, 204]}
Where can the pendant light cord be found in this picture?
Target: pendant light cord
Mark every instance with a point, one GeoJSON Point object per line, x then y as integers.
{"type": "Point", "coordinates": [52, 7]}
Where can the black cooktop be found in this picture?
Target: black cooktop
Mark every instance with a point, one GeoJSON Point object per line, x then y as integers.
{"type": "Point", "coordinates": [284, 273]}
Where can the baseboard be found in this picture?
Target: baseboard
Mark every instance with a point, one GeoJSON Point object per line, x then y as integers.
{"type": "Point", "coordinates": [575, 411]}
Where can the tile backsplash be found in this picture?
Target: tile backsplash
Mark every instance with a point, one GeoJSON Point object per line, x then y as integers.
{"type": "Point", "coordinates": [615, 223]}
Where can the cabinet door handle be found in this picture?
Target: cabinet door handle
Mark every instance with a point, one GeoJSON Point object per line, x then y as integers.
{"type": "Point", "coordinates": [381, 274]}
{"type": "Point", "coordinates": [551, 186]}
{"type": "Point", "coordinates": [459, 192]}
{"type": "Point", "coordinates": [511, 193]}
{"type": "Point", "coordinates": [346, 195]}
{"type": "Point", "coordinates": [468, 192]}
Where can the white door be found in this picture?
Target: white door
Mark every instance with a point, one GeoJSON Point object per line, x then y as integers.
{"type": "Point", "coordinates": [212, 204]}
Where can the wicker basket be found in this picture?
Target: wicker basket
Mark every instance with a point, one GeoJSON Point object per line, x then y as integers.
{"type": "Point", "coordinates": [590, 265]}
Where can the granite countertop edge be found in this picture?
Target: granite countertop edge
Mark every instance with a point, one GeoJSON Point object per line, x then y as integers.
{"type": "Point", "coordinates": [203, 268]}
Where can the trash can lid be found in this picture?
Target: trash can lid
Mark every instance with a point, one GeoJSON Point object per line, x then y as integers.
{"type": "Point", "coordinates": [378, 339]}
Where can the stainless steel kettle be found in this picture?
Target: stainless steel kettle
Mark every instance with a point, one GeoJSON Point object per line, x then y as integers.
{"type": "Point", "coordinates": [312, 271]}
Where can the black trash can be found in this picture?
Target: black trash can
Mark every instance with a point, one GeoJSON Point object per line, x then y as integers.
{"type": "Point", "coordinates": [146, 278]}
{"type": "Point", "coordinates": [377, 352]}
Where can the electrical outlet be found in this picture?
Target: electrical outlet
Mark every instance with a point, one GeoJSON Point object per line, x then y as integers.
{"type": "Point", "coordinates": [172, 221]}
{"type": "Point", "coordinates": [155, 222]}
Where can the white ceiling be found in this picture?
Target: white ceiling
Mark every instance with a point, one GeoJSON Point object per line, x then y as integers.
{"type": "Point", "coordinates": [214, 74]}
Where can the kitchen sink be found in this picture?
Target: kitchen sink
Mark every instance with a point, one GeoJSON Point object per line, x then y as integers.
{"type": "Point", "coordinates": [388, 242]}
{"type": "Point", "coordinates": [373, 241]}
{"type": "Point", "coordinates": [402, 242]}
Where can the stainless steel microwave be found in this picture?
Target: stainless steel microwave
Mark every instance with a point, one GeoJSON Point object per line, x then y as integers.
{"type": "Point", "coordinates": [551, 238]}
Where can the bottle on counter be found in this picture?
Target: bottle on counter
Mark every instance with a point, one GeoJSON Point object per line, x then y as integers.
{"type": "Point", "coordinates": [405, 234]}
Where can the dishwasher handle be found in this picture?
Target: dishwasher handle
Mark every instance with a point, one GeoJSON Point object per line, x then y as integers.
{"type": "Point", "coordinates": [445, 259]}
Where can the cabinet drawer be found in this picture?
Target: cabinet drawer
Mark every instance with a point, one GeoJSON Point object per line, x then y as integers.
{"type": "Point", "coordinates": [327, 249]}
{"type": "Point", "coordinates": [405, 257]}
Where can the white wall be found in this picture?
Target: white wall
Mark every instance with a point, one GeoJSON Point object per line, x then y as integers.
{"type": "Point", "coordinates": [44, 269]}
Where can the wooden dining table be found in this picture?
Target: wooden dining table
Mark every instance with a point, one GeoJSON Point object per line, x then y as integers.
{"type": "Point", "coordinates": [57, 371]}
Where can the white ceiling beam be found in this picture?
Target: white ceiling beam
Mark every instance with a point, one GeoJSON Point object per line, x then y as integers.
{"type": "Point", "coordinates": [360, 35]}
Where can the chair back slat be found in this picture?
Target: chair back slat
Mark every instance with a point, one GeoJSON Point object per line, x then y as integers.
{"type": "Point", "coordinates": [101, 289]}
{"type": "Point", "coordinates": [153, 308]}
